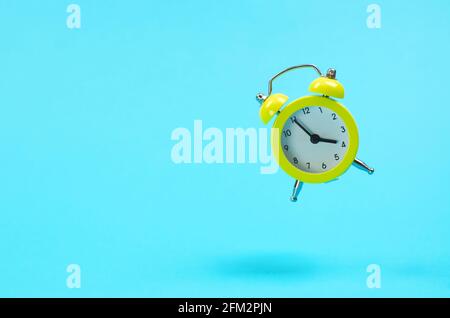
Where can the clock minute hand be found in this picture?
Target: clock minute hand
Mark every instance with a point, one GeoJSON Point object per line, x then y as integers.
{"type": "Point", "coordinates": [303, 128]}
{"type": "Point", "coordinates": [314, 137]}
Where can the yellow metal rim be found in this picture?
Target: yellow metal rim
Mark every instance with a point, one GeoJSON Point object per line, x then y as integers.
{"type": "Point", "coordinates": [346, 117]}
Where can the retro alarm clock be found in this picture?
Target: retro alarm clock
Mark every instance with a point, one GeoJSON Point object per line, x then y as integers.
{"type": "Point", "coordinates": [314, 138]}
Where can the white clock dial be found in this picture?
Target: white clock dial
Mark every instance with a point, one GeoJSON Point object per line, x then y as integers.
{"type": "Point", "coordinates": [314, 139]}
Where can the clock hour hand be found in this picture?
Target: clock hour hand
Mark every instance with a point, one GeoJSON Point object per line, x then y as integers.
{"type": "Point", "coordinates": [315, 139]}
{"type": "Point", "coordinates": [331, 141]}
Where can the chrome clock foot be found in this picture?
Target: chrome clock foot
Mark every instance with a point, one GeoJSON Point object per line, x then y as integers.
{"type": "Point", "coordinates": [363, 166]}
{"type": "Point", "coordinates": [297, 188]}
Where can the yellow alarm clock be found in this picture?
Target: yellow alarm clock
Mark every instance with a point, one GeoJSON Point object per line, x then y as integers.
{"type": "Point", "coordinates": [314, 138]}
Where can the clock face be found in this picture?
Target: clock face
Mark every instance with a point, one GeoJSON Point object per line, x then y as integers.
{"type": "Point", "coordinates": [315, 139]}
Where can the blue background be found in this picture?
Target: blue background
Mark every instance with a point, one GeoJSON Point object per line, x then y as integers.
{"type": "Point", "coordinates": [86, 175]}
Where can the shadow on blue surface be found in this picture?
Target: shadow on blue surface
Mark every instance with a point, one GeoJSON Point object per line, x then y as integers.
{"type": "Point", "coordinates": [271, 266]}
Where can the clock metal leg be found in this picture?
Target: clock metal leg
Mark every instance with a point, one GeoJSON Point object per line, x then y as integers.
{"type": "Point", "coordinates": [363, 166]}
{"type": "Point", "coordinates": [297, 188]}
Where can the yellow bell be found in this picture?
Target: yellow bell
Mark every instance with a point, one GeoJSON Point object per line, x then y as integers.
{"type": "Point", "coordinates": [328, 85]}
{"type": "Point", "coordinates": [270, 105]}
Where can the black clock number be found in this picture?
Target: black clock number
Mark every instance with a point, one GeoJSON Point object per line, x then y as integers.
{"type": "Point", "coordinates": [287, 133]}
{"type": "Point", "coordinates": [324, 166]}
{"type": "Point", "coordinates": [343, 129]}
{"type": "Point", "coordinates": [293, 119]}
{"type": "Point", "coordinates": [309, 165]}
{"type": "Point", "coordinates": [336, 156]}
{"type": "Point", "coordinates": [320, 108]}
{"type": "Point", "coordinates": [295, 160]}
{"type": "Point", "coordinates": [344, 145]}
{"type": "Point", "coordinates": [306, 110]}
{"type": "Point", "coordinates": [286, 147]}
{"type": "Point", "coordinates": [333, 115]}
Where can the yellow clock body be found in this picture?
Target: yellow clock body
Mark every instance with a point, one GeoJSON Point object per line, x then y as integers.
{"type": "Point", "coordinates": [313, 160]}
{"type": "Point", "coordinates": [314, 138]}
